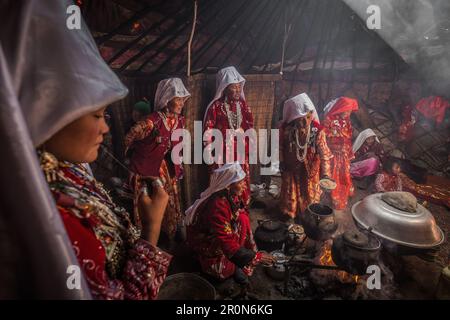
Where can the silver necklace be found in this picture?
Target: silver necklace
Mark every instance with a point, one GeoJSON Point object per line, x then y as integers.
{"type": "Point", "coordinates": [303, 147]}
{"type": "Point", "coordinates": [234, 118]}
{"type": "Point", "coordinates": [166, 124]}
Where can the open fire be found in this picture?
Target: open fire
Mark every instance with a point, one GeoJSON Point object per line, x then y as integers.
{"type": "Point", "coordinates": [326, 259]}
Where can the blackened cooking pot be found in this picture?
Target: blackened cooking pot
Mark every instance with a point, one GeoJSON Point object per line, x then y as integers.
{"type": "Point", "coordinates": [354, 251]}
{"type": "Point", "coordinates": [319, 222]}
{"type": "Point", "coordinates": [270, 235]}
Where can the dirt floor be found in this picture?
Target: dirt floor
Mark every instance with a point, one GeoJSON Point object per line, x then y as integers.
{"type": "Point", "coordinates": [410, 276]}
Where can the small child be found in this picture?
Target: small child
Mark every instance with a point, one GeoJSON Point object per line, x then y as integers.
{"type": "Point", "coordinates": [389, 179]}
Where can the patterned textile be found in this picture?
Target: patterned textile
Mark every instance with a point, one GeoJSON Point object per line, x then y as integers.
{"type": "Point", "coordinates": [300, 179]}
{"type": "Point", "coordinates": [222, 238]}
{"type": "Point", "coordinates": [217, 118]}
{"type": "Point", "coordinates": [150, 145]}
{"type": "Point", "coordinates": [339, 139]}
{"type": "Point", "coordinates": [117, 264]}
{"type": "Point", "coordinates": [386, 182]}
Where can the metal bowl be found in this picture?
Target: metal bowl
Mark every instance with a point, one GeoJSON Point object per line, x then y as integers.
{"type": "Point", "coordinates": [186, 286]}
{"type": "Point", "coordinates": [411, 229]}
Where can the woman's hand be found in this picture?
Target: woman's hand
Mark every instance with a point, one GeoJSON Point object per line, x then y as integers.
{"type": "Point", "coordinates": [267, 259]}
{"type": "Point", "coordinates": [151, 210]}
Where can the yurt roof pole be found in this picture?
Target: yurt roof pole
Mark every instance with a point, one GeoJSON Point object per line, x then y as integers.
{"type": "Point", "coordinates": [246, 25]}
{"type": "Point", "coordinates": [262, 46]}
{"type": "Point", "coordinates": [191, 37]}
{"type": "Point", "coordinates": [178, 22]}
{"type": "Point", "coordinates": [219, 34]}
{"type": "Point", "coordinates": [176, 52]}
{"type": "Point", "coordinates": [180, 66]}
{"type": "Point", "coordinates": [287, 32]}
{"type": "Point", "coordinates": [181, 15]}
{"type": "Point", "coordinates": [126, 24]}
{"type": "Point", "coordinates": [300, 56]}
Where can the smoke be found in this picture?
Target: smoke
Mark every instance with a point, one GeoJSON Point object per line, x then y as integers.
{"type": "Point", "coordinates": [419, 31]}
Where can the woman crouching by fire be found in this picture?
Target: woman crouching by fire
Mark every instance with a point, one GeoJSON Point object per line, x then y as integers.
{"type": "Point", "coordinates": [218, 228]}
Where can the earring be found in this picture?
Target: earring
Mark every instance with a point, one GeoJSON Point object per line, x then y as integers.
{"type": "Point", "coordinates": [49, 165]}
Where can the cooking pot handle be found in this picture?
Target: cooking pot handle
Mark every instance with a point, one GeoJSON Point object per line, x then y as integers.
{"type": "Point", "coordinates": [260, 221]}
{"type": "Point", "coordinates": [318, 218]}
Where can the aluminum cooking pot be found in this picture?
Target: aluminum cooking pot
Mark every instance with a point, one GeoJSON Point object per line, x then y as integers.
{"type": "Point", "coordinates": [411, 229]}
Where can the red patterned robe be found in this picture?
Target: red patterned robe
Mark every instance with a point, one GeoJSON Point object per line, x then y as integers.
{"type": "Point", "coordinates": [216, 118]}
{"type": "Point", "coordinates": [149, 145]}
{"type": "Point", "coordinates": [300, 180]}
{"type": "Point", "coordinates": [406, 128]}
{"type": "Point", "coordinates": [386, 182]}
{"type": "Point", "coordinates": [222, 238]}
{"type": "Point", "coordinates": [430, 192]}
{"type": "Point", "coordinates": [116, 262]}
{"type": "Point", "coordinates": [339, 139]}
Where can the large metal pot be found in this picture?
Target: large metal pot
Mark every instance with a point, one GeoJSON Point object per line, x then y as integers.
{"type": "Point", "coordinates": [186, 286]}
{"type": "Point", "coordinates": [319, 222]}
{"type": "Point", "coordinates": [353, 251]}
{"type": "Point", "coordinates": [397, 228]}
{"type": "Point", "coordinates": [270, 235]}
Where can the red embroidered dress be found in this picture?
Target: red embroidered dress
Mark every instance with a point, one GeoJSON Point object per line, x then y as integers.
{"type": "Point", "coordinates": [386, 182]}
{"type": "Point", "coordinates": [116, 262]}
{"type": "Point", "coordinates": [149, 145]}
{"type": "Point", "coordinates": [222, 238]}
{"type": "Point", "coordinates": [223, 115]}
{"type": "Point", "coordinates": [339, 139]}
{"type": "Point", "coordinates": [300, 179]}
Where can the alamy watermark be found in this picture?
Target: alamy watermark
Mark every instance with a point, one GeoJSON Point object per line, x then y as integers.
{"type": "Point", "coordinates": [211, 147]}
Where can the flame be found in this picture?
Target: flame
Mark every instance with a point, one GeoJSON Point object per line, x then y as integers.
{"type": "Point", "coordinates": [327, 260]}
{"type": "Point", "coordinates": [135, 26]}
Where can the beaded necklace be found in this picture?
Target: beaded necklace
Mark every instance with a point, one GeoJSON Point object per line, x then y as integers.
{"type": "Point", "coordinates": [111, 224]}
{"type": "Point", "coordinates": [234, 118]}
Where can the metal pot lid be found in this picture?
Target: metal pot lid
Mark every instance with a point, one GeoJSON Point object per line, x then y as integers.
{"type": "Point", "coordinates": [413, 229]}
{"type": "Point", "coordinates": [359, 240]}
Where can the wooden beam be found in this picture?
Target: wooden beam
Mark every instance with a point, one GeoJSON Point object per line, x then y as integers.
{"type": "Point", "coordinates": [222, 30]}
{"type": "Point", "coordinates": [174, 27]}
{"type": "Point", "coordinates": [128, 23]}
{"type": "Point", "coordinates": [194, 22]}
{"type": "Point", "coordinates": [247, 22]}
{"type": "Point", "coordinates": [262, 47]}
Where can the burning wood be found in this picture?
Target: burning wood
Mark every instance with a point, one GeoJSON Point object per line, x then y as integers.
{"type": "Point", "coordinates": [326, 259]}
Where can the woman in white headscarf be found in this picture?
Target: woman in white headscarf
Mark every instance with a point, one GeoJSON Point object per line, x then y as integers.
{"type": "Point", "coordinates": [63, 87]}
{"type": "Point", "coordinates": [229, 111]}
{"type": "Point", "coordinates": [149, 146]}
{"type": "Point", "coordinates": [304, 156]}
{"type": "Point", "coordinates": [369, 154]}
{"type": "Point", "coordinates": [218, 229]}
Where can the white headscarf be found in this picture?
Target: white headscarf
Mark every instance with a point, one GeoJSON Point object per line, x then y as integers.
{"type": "Point", "coordinates": [298, 107]}
{"type": "Point", "coordinates": [221, 178]}
{"type": "Point", "coordinates": [169, 89]}
{"type": "Point", "coordinates": [362, 137]}
{"type": "Point", "coordinates": [224, 78]}
{"type": "Point", "coordinates": [58, 73]}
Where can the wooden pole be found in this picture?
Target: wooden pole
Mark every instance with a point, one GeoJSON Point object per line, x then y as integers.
{"type": "Point", "coordinates": [194, 22]}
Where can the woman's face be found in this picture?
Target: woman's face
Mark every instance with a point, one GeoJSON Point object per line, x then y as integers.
{"type": "Point", "coordinates": [305, 121]}
{"type": "Point", "coordinates": [396, 168]}
{"type": "Point", "coordinates": [370, 140]}
{"type": "Point", "coordinates": [237, 188]}
{"type": "Point", "coordinates": [176, 105]}
{"type": "Point", "coordinates": [233, 91]}
{"type": "Point", "coordinates": [345, 115]}
{"type": "Point", "coordinates": [79, 141]}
